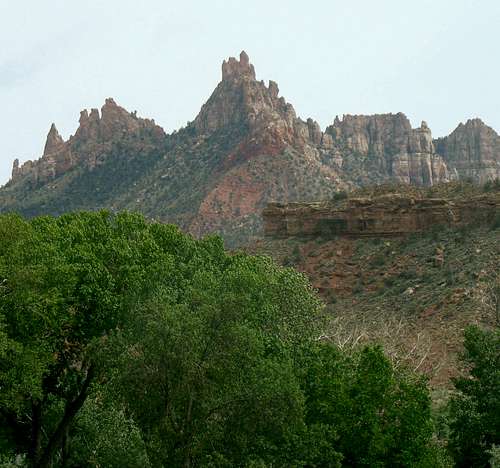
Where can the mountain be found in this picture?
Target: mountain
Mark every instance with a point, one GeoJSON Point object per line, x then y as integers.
{"type": "Point", "coordinates": [245, 148]}
{"type": "Point", "coordinates": [473, 150]}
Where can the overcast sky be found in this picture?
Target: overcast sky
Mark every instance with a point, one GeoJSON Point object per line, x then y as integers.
{"type": "Point", "coordinates": [434, 60]}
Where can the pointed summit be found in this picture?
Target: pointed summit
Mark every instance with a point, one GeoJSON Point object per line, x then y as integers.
{"type": "Point", "coordinates": [54, 141]}
{"type": "Point", "coordinates": [241, 101]}
{"type": "Point", "coordinates": [473, 149]}
{"type": "Point", "coordinates": [475, 123]}
{"type": "Point", "coordinates": [234, 69]}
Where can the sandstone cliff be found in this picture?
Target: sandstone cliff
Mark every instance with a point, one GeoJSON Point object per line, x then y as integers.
{"type": "Point", "coordinates": [382, 147]}
{"type": "Point", "coordinates": [383, 216]}
{"type": "Point", "coordinates": [415, 294]}
{"type": "Point", "coordinates": [473, 150]}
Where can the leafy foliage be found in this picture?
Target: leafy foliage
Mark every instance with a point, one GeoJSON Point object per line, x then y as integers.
{"type": "Point", "coordinates": [67, 282]}
{"type": "Point", "coordinates": [127, 343]}
{"type": "Point", "coordinates": [106, 436]}
{"type": "Point", "coordinates": [380, 417]}
{"type": "Point", "coordinates": [475, 410]}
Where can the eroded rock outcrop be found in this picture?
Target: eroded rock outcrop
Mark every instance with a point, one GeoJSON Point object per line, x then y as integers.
{"type": "Point", "coordinates": [386, 146]}
{"type": "Point", "coordinates": [473, 150]}
{"type": "Point", "coordinates": [94, 138]}
{"type": "Point", "coordinates": [235, 69]}
{"type": "Point", "coordinates": [241, 101]}
{"type": "Point", "coordinates": [54, 141]}
{"type": "Point", "coordinates": [384, 216]}
{"type": "Point", "coordinates": [276, 154]}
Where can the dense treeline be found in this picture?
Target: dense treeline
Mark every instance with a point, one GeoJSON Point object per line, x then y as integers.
{"type": "Point", "coordinates": [129, 344]}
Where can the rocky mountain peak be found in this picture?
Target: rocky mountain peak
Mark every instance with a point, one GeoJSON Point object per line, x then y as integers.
{"type": "Point", "coordinates": [473, 149]}
{"type": "Point", "coordinates": [246, 147]}
{"type": "Point", "coordinates": [54, 141]}
{"type": "Point", "coordinates": [234, 69]}
{"type": "Point", "coordinates": [393, 146]}
{"type": "Point", "coordinates": [475, 123]}
{"type": "Point", "coordinates": [362, 133]}
{"type": "Point", "coordinates": [115, 120]}
{"type": "Point", "coordinates": [89, 125]}
{"type": "Point", "coordinates": [240, 100]}
{"type": "Point", "coordinates": [91, 143]}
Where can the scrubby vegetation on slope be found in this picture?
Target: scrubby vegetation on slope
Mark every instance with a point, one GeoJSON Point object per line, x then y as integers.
{"type": "Point", "coordinates": [415, 294]}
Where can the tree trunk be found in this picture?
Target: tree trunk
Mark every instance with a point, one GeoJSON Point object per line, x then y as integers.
{"type": "Point", "coordinates": [36, 431]}
{"type": "Point", "coordinates": [187, 434]}
{"type": "Point", "coordinates": [65, 448]}
{"type": "Point", "coordinates": [70, 412]}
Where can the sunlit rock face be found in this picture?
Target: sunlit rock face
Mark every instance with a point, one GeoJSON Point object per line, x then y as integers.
{"type": "Point", "coordinates": [473, 150]}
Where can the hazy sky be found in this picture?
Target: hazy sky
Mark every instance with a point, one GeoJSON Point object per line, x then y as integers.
{"type": "Point", "coordinates": [434, 60]}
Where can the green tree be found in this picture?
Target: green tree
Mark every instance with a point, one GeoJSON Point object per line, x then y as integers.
{"type": "Point", "coordinates": [104, 435]}
{"type": "Point", "coordinates": [209, 373]}
{"type": "Point", "coordinates": [66, 283]}
{"type": "Point", "coordinates": [127, 343]}
{"type": "Point", "coordinates": [380, 416]}
{"type": "Point", "coordinates": [475, 409]}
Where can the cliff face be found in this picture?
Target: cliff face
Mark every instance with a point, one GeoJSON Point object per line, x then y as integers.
{"type": "Point", "coordinates": [385, 147]}
{"type": "Point", "coordinates": [473, 150]}
{"type": "Point", "coordinates": [245, 148]}
{"type": "Point", "coordinates": [383, 216]}
{"type": "Point", "coordinates": [411, 293]}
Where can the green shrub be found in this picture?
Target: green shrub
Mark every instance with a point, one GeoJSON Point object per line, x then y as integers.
{"type": "Point", "coordinates": [496, 222]}
{"type": "Point", "coordinates": [358, 287]}
{"type": "Point", "coordinates": [494, 453]}
{"type": "Point", "coordinates": [378, 260]}
{"type": "Point", "coordinates": [408, 274]}
{"type": "Point", "coordinates": [389, 281]}
{"type": "Point", "coordinates": [492, 185]}
{"type": "Point", "coordinates": [338, 196]}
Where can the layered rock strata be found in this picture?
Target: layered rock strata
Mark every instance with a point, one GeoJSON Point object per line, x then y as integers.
{"type": "Point", "coordinates": [384, 216]}
{"type": "Point", "coordinates": [473, 150]}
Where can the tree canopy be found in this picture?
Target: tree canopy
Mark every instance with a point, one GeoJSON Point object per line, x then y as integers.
{"type": "Point", "coordinates": [475, 408]}
{"type": "Point", "coordinates": [129, 343]}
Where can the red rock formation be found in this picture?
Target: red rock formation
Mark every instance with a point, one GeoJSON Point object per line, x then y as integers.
{"type": "Point", "coordinates": [247, 147]}
{"type": "Point", "coordinates": [92, 140]}
{"type": "Point", "coordinates": [234, 69]}
{"type": "Point", "coordinates": [383, 216]}
{"type": "Point", "coordinates": [54, 141]}
{"type": "Point", "coordinates": [241, 101]}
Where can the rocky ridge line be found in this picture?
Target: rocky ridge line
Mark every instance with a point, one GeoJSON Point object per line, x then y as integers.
{"type": "Point", "coordinates": [93, 138]}
{"type": "Point", "coordinates": [245, 148]}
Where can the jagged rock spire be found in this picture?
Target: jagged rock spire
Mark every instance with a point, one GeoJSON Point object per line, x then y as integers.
{"type": "Point", "coordinates": [233, 69]}
{"type": "Point", "coordinates": [54, 141]}
{"type": "Point", "coordinates": [15, 169]}
{"type": "Point", "coordinates": [241, 100]}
